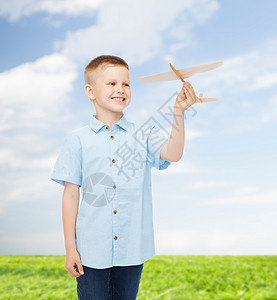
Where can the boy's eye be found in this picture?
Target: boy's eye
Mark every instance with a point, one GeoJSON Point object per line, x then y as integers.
{"type": "Point", "coordinates": [113, 83]}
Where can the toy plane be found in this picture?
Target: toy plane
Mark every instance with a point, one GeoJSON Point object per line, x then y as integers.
{"type": "Point", "coordinates": [184, 73]}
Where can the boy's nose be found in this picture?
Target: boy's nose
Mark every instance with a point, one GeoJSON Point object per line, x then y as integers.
{"type": "Point", "coordinates": [120, 90]}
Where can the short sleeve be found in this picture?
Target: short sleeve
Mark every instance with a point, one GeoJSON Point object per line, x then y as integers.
{"type": "Point", "coordinates": [68, 166]}
{"type": "Point", "coordinates": [155, 142]}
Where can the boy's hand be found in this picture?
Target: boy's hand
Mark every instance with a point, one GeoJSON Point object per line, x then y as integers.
{"type": "Point", "coordinates": [186, 97]}
{"type": "Point", "coordinates": [73, 263]}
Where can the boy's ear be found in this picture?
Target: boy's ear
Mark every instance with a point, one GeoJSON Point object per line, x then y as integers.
{"type": "Point", "coordinates": [89, 91]}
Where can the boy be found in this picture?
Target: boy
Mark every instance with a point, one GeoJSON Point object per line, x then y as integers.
{"type": "Point", "coordinates": [111, 159]}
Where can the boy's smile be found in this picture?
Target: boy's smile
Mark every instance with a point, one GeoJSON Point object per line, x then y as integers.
{"type": "Point", "coordinates": [110, 91]}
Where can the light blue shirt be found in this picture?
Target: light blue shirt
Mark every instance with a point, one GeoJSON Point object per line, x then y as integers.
{"type": "Point", "coordinates": [114, 225]}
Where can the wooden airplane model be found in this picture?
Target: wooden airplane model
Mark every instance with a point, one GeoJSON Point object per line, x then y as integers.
{"type": "Point", "coordinates": [184, 73]}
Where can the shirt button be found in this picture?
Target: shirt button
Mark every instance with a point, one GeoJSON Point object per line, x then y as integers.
{"type": "Point", "coordinates": [112, 137]}
{"type": "Point", "coordinates": [115, 237]}
{"type": "Point", "coordinates": [107, 127]}
{"type": "Point", "coordinates": [114, 186]}
{"type": "Point", "coordinates": [113, 160]}
{"type": "Point", "coordinates": [115, 211]}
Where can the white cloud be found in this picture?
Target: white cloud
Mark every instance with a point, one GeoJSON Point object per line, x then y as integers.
{"type": "Point", "coordinates": [244, 89]}
{"type": "Point", "coordinates": [28, 183]}
{"type": "Point", "coordinates": [269, 111]}
{"type": "Point", "coordinates": [248, 72]}
{"type": "Point", "coordinates": [136, 31]}
{"type": "Point", "coordinates": [181, 167]}
{"type": "Point", "coordinates": [48, 243]}
{"type": "Point", "coordinates": [245, 197]}
{"type": "Point", "coordinates": [244, 115]}
{"type": "Point", "coordinates": [14, 158]}
{"type": "Point", "coordinates": [273, 101]}
{"type": "Point", "coordinates": [13, 10]}
{"type": "Point", "coordinates": [215, 242]}
{"type": "Point", "coordinates": [33, 92]}
{"type": "Point", "coordinates": [190, 134]}
{"type": "Point", "coordinates": [246, 190]}
{"type": "Point", "coordinates": [33, 106]}
{"type": "Point", "coordinates": [210, 184]}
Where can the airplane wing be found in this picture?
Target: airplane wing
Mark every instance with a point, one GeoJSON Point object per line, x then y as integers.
{"type": "Point", "coordinates": [187, 72]}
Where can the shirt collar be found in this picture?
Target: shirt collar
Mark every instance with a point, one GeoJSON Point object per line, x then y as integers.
{"type": "Point", "coordinates": [96, 124]}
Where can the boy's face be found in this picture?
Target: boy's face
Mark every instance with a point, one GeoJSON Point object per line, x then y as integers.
{"type": "Point", "coordinates": [110, 90]}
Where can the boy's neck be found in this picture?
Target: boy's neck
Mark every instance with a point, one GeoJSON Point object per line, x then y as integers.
{"type": "Point", "coordinates": [109, 119]}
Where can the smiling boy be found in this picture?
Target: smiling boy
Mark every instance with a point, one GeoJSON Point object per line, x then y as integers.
{"type": "Point", "coordinates": [108, 82]}
{"type": "Point", "coordinates": [111, 235]}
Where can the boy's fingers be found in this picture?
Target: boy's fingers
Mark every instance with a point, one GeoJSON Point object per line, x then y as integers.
{"type": "Point", "coordinates": [191, 92]}
{"type": "Point", "coordinates": [75, 269]}
{"type": "Point", "coordinates": [189, 86]}
{"type": "Point", "coordinates": [187, 91]}
{"type": "Point", "coordinates": [73, 272]}
{"type": "Point", "coordinates": [80, 268]}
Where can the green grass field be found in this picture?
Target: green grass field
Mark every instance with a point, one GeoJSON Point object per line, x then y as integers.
{"type": "Point", "coordinates": [163, 277]}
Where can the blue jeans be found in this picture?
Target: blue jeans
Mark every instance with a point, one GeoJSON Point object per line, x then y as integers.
{"type": "Point", "coordinates": [114, 283]}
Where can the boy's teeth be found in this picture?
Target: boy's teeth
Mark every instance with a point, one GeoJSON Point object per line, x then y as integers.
{"type": "Point", "coordinates": [118, 98]}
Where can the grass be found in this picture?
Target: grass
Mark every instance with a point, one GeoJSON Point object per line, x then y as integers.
{"type": "Point", "coordinates": [163, 277]}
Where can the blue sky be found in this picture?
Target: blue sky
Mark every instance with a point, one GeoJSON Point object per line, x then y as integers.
{"type": "Point", "coordinates": [221, 197]}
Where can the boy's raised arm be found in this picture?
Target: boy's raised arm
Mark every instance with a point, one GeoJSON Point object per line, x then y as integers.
{"type": "Point", "coordinates": [173, 150]}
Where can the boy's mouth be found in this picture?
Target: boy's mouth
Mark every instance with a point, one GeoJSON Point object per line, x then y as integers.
{"type": "Point", "coordinates": [118, 99]}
